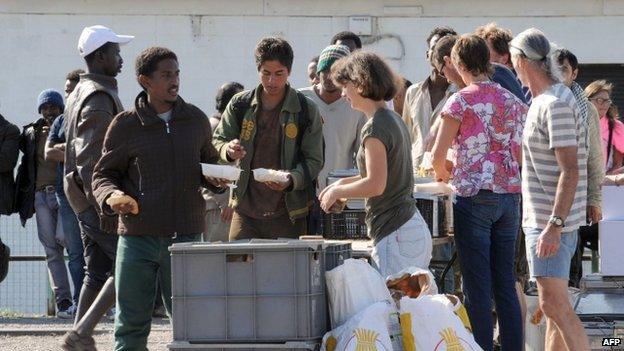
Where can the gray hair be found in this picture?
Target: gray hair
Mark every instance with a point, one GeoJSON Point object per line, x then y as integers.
{"type": "Point", "coordinates": [535, 47]}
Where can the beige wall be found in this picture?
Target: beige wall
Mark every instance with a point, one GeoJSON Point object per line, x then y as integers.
{"type": "Point", "coordinates": [425, 8]}
{"type": "Point", "coordinates": [215, 39]}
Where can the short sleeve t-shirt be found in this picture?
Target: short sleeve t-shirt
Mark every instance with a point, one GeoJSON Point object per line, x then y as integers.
{"type": "Point", "coordinates": [487, 147]}
{"type": "Point", "coordinates": [389, 211]}
{"type": "Point", "coordinates": [553, 122]}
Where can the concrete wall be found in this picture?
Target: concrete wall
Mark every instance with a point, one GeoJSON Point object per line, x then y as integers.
{"type": "Point", "coordinates": [215, 39]}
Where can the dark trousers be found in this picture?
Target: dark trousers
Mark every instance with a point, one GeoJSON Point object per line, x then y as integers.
{"type": "Point", "coordinates": [576, 266]}
{"type": "Point", "coordinates": [486, 227]}
{"type": "Point", "coordinates": [245, 227]}
{"type": "Point", "coordinates": [100, 249]}
{"type": "Point", "coordinates": [141, 262]}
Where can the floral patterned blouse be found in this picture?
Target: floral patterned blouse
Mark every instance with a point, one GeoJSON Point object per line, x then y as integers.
{"type": "Point", "coordinates": [488, 145]}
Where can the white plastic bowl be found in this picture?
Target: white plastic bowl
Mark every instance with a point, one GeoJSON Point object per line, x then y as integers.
{"type": "Point", "coordinates": [269, 175]}
{"type": "Point", "coordinates": [221, 171]}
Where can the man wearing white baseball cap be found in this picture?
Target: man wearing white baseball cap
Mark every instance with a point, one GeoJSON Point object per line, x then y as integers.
{"type": "Point", "coordinates": [92, 38]}
{"type": "Point", "coordinates": [89, 111]}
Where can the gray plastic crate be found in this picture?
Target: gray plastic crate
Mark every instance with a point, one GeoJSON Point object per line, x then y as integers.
{"type": "Point", "coordinates": [336, 252]}
{"type": "Point", "coordinates": [248, 292]}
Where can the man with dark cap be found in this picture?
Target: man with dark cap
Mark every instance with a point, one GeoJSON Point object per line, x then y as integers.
{"type": "Point", "coordinates": [90, 109]}
{"type": "Point", "coordinates": [55, 151]}
{"type": "Point", "coordinates": [36, 193]}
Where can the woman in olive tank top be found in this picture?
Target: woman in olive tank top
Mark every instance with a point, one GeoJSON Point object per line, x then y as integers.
{"type": "Point", "coordinates": [400, 234]}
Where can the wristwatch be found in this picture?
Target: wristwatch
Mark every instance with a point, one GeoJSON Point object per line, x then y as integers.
{"type": "Point", "coordinates": [556, 221]}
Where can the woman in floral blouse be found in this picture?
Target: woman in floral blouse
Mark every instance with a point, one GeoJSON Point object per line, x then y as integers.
{"type": "Point", "coordinates": [483, 122]}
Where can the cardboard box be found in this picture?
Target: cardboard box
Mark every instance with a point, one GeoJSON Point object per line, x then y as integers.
{"type": "Point", "coordinates": [613, 203]}
{"type": "Point", "coordinates": [611, 247]}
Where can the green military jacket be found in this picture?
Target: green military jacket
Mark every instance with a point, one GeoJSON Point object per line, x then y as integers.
{"type": "Point", "coordinates": [297, 202]}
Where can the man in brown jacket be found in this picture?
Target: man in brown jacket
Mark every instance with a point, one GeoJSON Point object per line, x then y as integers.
{"type": "Point", "coordinates": [150, 175]}
{"type": "Point", "coordinates": [89, 111]}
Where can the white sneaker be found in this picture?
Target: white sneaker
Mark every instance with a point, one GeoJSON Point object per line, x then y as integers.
{"type": "Point", "coordinates": [69, 313]}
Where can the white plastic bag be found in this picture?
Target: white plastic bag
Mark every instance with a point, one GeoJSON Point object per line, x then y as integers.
{"type": "Point", "coordinates": [429, 324]}
{"type": "Point", "coordinates": [351, 288]}
{"type": "Point", "coordinates": [366, 331]}
{"type": "Point", "coordinates": [413, 282]}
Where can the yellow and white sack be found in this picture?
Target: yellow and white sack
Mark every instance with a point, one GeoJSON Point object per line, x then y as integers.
{"type": "Point", "coordinates": [352, 287]}
{"type": "Point", "coordinates": [429, 324]}
{"type": "Point", "coordinates": [366, 331]}
{"type": "Point", "coordinates": [459, 309]}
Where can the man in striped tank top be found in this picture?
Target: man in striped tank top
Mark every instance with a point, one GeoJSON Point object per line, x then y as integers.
{"type": "Point", "coordinates": [554, 185]}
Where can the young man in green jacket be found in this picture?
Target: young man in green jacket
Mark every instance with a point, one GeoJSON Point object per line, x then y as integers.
{"type": "Point", "coordinates": [271, 127]}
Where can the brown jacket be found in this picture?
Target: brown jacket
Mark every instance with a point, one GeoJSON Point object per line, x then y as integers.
{"type": "Point", "coordinates": [158, 164]}
{"type": "Point", "coordinates": [89, 111]}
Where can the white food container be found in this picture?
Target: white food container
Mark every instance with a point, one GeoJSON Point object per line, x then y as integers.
{"type": "Point", "coordinates": [270, 175]}
{"type": "Point", "coordinates": [221, 171]}
{"type": "Point", "coordinates": [336, 175]}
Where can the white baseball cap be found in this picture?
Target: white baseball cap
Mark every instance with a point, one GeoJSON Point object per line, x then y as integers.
{"type": "Point", "coordinates": [94, 37]}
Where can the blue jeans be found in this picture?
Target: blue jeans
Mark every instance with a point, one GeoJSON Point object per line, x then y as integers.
{"type": "Point", "coordinates": [71, 229]}
{"type": "Point", "coordinates": [557, 266]}
{"type": "Point", "coordinates": [486, 227]}
{"type": "Point", "coordinates": [408, 246]}
{"type": "Point", "coordinates": [53, 241]}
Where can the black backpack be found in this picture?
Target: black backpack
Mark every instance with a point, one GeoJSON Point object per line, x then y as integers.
{"type": "Point", "coordinates": [303, 122]}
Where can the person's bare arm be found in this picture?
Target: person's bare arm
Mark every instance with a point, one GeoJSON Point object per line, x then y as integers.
{"type": "Point", "coordinates": [54, 151]}
{"type": "Point", "coordinates": [449, 127]}
{"type": "Point", "coordinates": [431, 138]}
{"type": "Point", "coordinates": [374, 184]}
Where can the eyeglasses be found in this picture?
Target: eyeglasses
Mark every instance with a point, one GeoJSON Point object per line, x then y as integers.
{"type": "Point", "coordinates": [601, 101]}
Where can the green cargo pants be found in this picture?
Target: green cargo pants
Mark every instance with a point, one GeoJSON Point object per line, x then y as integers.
{"type": "Point", "coordinates": [141, 261]}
